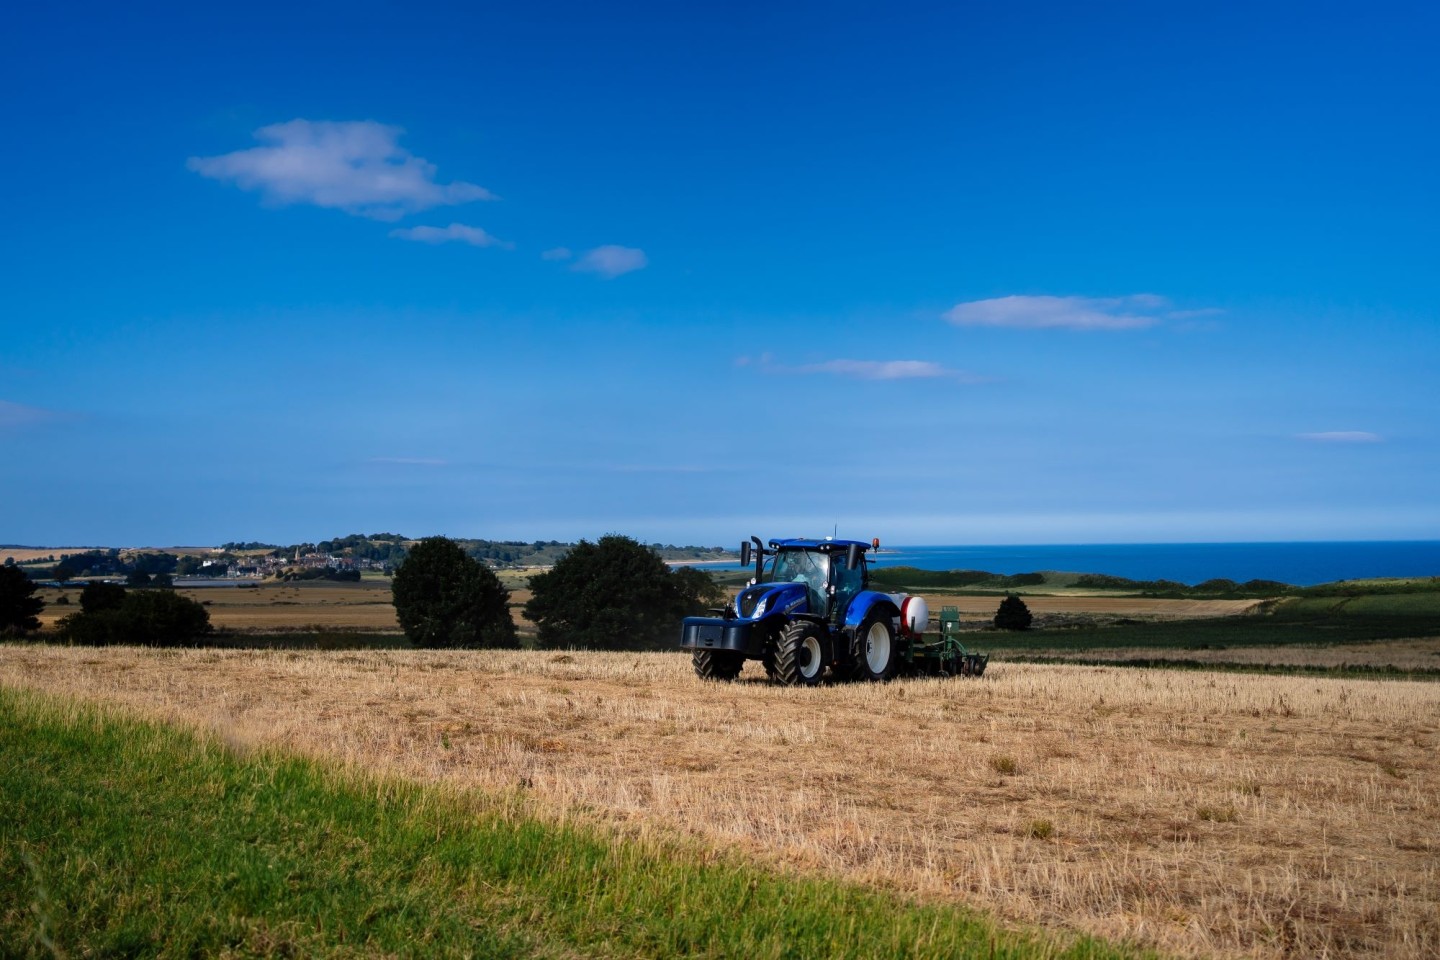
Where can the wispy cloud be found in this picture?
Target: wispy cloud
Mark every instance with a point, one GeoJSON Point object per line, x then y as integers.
{"type": "Point", "coordinates": [15, 415]}
{"type": "Point", "coordinates": [353, 165]}
{"type": "Point", "coordinates": [1132, 312]}
{"type": "Point", "coordinates": [866, 369]}
{"type": "Point", "coordinates": [610, 261]}
{"type": "Point", "coordinates": [557, 253]}
{"type": "Point", "coordinates": [455, 233]}
{"type": "Point", "coordinates": [1341, 436]}
{"type": "Point", "coordinates": [879, 369]}
{"type": "Point", "coordinates": [411, 461]}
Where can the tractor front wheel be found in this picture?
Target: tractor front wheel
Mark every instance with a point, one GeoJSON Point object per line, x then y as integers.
{"type": "Point", "coordinates": [801, 654]}
{"type": "Point", "coordinates": [873, 651]}
{"type": "Point", "coordinates": [717, 664]}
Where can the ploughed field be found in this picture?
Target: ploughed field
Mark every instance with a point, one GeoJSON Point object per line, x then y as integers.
{"type": "Point", "coordinates": [1203, 813]}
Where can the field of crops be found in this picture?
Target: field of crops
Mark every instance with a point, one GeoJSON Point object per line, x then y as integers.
{"type": "Point", "coordinates": [1201, 813]}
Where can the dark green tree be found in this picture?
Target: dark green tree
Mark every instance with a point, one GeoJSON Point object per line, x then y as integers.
{"type": "Point", "coordinates": [99, 595]}
{"type": "Point", "coordinates": [445, 599]}
{"type": "Point", "coordinates": [138, 578]}
{"type": "Point", "coordinates": [151, 618]}
{"type": "Point", "coordinates": [62, 573]}
{"type": "Point", "coordinates": [698, 590]}
{"type": "Point", "coordinates": [614, 594]}
{"type": "Point", "coordinates": [1013, 614]}
{"type": "Point", "coordinates": [19, 607]}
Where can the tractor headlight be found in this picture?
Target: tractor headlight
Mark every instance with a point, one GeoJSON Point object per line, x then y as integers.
{"type": "Point", "coordinates": [759, 609]}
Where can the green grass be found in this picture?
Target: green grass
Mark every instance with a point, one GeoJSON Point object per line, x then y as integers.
{"type": "Point", "coordinates": [128, 838]}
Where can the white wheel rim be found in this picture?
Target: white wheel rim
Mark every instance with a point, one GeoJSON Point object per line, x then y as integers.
{"type": "Point", "coordinates": [877, 648]}
{"type": "Point", "coordinates": [811, 665]}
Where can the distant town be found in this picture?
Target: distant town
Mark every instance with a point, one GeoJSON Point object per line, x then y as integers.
{"type": "Point", "coordinates": [342, 558]}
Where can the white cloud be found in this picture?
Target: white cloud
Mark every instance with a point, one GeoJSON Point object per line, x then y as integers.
{"type": "Point", "coordinates": [1063, 313]}
{"type": "Point", "coordinates": [557, 253]}
{"type": "Point", "coordinates": [455, 233]}
{"type": "Point", "coordinates": [610, 261]}
{"type": "Point", "coordinates": [879, 369]}
{"type": "Point", "coordinates": [351, 165]}
{"type": "Point", "coordinates": [1341, 436]}
{"type": "Point", "coordinates": [866, 369]}
{"type": "Point", "coordinates": [411, 461]}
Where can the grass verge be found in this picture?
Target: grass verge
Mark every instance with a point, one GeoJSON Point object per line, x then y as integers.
{"type": "Point", "coordinates": [123, 837]}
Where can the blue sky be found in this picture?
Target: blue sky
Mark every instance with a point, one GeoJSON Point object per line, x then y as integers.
{"type": "Point", "coordinates": [982, 273]}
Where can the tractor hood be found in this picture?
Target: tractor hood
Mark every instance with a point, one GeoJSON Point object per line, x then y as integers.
{"type": "Point", "coordinates": [764, 599]}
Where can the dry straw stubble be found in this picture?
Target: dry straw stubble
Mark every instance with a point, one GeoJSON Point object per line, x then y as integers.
{"type": "Point", "coordinates": [1207, 814]}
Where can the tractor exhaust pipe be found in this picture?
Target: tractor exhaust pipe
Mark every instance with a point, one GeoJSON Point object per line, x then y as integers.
{"type": "Point", "coordinates": [759, 554]}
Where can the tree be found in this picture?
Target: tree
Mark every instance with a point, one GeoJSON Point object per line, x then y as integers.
{"type": "Point", "coordinates": [1013, 614]}
{"type": "Point", "coordinates": [19, 607]}
{"type": "Point", "coordinates": [152, 618]}
{"type": "Point", "coordinates": [445, 599]}
{"type": "Point", "coordinates": [99, 595]}
{"type": "Point", "coordinates": [138, 578]}
{"type": "Point", "coordinates": [698, 589]}
{"type": "Point", "coordinates": [614, 594]}
{"type": "Point", "coordinates": [62, 573]}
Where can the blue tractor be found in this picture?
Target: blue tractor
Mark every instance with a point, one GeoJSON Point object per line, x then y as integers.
{"type": "Point", "coordinates": [810, 612]}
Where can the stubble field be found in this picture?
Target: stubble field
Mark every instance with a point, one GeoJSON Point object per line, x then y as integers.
{"type": "Point", "coordinates": [1203, 813]}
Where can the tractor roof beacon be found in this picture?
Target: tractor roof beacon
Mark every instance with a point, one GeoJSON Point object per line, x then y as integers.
{"type": "Point", "coordinates": [810, 611]}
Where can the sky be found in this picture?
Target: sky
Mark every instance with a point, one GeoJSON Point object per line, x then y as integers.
{"type": "Point", "coordinates": [935, 273]}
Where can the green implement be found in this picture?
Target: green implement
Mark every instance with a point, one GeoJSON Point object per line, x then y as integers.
{"type": "Point", "coordinates": [944, 653]}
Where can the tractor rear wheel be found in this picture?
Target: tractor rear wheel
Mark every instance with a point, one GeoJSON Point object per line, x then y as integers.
{"type": "Point", "coordinates": [717, 664]}
{"type": "Point", "coordinates": [873, 650]}
{"type": "Point", "coordinates": [801, 654]}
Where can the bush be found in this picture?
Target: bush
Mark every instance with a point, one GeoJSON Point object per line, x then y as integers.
{"type": "Point", "coordinates": [445, 599]}
{"type": "Point", "coordinates": [615, 594]}
{"type": "Point", "coordinates": [1013, 614]}
{"type": "Point", "coordinates": [19, 607]}
{"type": "Point", "coordinates": [149, 618]}
{"type": "Point", "coordinates": [99, 595]}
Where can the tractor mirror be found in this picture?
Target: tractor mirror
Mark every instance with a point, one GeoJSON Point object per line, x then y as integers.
{"type": "Point", "coordinates": [745, 554]}
{"type": "Point", "coordinates": [852, 556]}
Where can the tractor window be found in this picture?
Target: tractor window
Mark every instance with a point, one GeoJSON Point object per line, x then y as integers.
{"type": "Point", "coordinates": [847, 583]}
{"type": "Point", "coordinates": [807, 566]}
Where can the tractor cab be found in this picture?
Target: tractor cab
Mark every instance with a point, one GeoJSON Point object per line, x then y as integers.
{"type": "Point", "coordinates": [826, 569]}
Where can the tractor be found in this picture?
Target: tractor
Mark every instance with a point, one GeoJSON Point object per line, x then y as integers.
{"type": "Point", "coordinates": [810, 611]}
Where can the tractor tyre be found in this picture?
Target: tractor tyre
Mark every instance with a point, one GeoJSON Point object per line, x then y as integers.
{"type": "Point", "coordinates": [717, 664]}
{"type": "Point", "coordinates": [873, 653]}
{"type": "Point", "coordinates": [767, 655]}
{"type": "Point", "coordinates": [801, 654]}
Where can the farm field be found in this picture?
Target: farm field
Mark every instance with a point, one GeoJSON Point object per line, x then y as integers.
{"type": "Point", "coordinates": [275, 606]}
{"type": "Point", "coordinates": [259, 853]}
{"type": "Point", "coordinates": [366, 605]}
{"type": "Point", "coordinates": [1200, 813]}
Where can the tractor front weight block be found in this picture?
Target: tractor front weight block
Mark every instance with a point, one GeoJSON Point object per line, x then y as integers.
{"type": "Point", "coordinates": [716, 633]}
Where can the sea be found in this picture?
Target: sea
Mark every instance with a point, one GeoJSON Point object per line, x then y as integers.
{"type": "Point", "coordinates": [1301, 564]}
